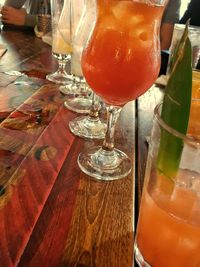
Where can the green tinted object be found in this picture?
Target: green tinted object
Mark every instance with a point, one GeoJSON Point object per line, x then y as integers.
{"type": "Point", "coordinates": [176, 107]}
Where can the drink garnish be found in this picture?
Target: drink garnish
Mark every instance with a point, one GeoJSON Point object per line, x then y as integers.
{"type": "Point", "coordinates": [176, 107]}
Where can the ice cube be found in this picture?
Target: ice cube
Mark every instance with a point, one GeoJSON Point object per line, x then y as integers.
{"type": "Point", "coordinates": [122, 9]}
{"type": "Point", "coordinates": [190, 158]}
{"type": "Point", "coordinates": [142, 34]}
{"type": "Point", "coordinates": [196, 184]}
{"type": "Point", "coordinates": [108, 22]}
{"type": "Point", "coordinates": [136, 19]}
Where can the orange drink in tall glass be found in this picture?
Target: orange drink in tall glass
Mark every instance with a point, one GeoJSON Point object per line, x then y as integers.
{"type": "Point", "coordinates": [168, 230]}
{"type": "Point", "coordinates": [120, 62]}
{"type": "Point", "coordinates": [195, 84]}
{"type": "Point", "coordinates": [122, 59]}
{"type": "Point", "coordinates": [169, 226]}
{"type": "Point", "coordinates": [194, 122]}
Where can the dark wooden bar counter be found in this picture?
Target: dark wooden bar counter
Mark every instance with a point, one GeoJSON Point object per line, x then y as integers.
{"type": "Point", "coordinates": [51, 214]}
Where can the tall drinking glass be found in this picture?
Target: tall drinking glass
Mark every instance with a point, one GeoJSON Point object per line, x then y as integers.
{"type": "Point", "coordinates": [81, 101]}
{"type": "Point", "coordinates": [194, 36]}
{"type": "Point", "coordinates": [90, 126]}
{"type": "Point", "coordinates": [168, 229]}
{"type": "Point", "coordinates": [61, 49]}
{"type": "Point", "coordinates": [120, 62]}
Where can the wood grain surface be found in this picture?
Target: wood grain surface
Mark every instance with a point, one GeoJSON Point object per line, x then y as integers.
{"type": "Point", "coordinates": [51, 214]}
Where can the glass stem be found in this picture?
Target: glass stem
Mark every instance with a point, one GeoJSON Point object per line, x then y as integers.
{"type": "Point", "coordinates": [112, 117]}
{"type": "Point", "coordinates": [95, 107]}
{"type": "Point", "coordinates": [84, 86]}
{"type": "Point", "coordinates": [61, 66]}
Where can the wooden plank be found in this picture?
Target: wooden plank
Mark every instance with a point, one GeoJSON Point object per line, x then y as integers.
{"type": "Point", "coordinates": [52, 214]}
{"type": "Point", "coordinates": [47, 241]}
{"type": "Point", "coordinates": [31, 158]}
{"type": "Point", "coordinates": [22, 47]}
{"type": "Point", "coordinates": [101, 228]}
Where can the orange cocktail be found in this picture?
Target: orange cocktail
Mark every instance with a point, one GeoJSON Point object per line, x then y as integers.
{"type": "Point", "coordinates": [120, 62]}
{"type": "Point", "coordinates": [168, 230]}
{"type": "Point", "coordinates": [194, 122]}
{"type": "Point", "coordinates": [122, 59]}
{"type": "Point", "coordinates": [195, 84]}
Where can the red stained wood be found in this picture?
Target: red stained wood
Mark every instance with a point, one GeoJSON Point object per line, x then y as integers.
{"type": "Point", "coordinates": [51, 214]}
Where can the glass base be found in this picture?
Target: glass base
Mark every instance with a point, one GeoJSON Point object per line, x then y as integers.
{"type": "Point", "coordinates": [58, 77]}
{"type": "Point", "coordinates": [104, 165]}
{"type": "Point", "coordinates": [80, 105]}
{"type": "Point", "coordinates": [139, 258]}
{"type": "Point", "coordinates": [87, 127]}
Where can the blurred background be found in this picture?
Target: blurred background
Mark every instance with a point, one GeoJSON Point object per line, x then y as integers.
{"type": "Point", "coordinates": [184, 4]}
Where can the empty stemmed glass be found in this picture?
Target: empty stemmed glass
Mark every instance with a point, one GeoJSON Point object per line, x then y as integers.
{"type": "Point", "coordinates": [80, 99]}
{"type": "Point", "coordinates": [61, 48]}
{"type": "Point", "coordinates": [90, 126]}
{"type": "Point", "coordinates": [120, 62]}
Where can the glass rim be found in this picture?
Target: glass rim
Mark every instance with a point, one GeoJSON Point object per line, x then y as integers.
{"type": "Point", "coordinates": [190, 140]}
{"type": "Point", "coordinates": [181, 27]}
{"type": "Point", "coordinates": [153, 2]}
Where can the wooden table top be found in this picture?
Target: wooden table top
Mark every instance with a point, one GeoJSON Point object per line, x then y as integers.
{"type": "Point", "coordinates": [52, 214]}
